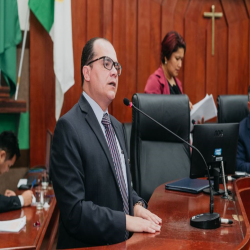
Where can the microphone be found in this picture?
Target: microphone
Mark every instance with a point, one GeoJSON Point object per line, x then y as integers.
{"type": "Point", "coordinates": [209, 220]}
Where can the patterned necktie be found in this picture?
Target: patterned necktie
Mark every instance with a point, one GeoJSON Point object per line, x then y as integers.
{"type": "Point", "coordinates": [113, 148]}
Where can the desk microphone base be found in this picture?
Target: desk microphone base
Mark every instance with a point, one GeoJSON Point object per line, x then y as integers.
{"type": "Point", "coordinates": [206, 221]}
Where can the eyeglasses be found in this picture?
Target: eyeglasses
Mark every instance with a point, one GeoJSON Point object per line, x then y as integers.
{"type": "Point", "coordinates": [108, 64]}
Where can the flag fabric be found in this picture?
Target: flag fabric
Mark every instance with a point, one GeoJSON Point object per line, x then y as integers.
{"type": "Point", "coordinates": [55, 16]}
{"type": "Point", "coordinates": [23, 9]}
{"type": "Point", "coordinates": [10, 36]}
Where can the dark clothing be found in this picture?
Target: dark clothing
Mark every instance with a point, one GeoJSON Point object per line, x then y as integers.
{"type": "Point", "coordinates": [174, 90]}
{"type": "Point", "coordinates": [85, 182]}
{"type": "Point", "coordinates": [9, 203]}
{"type": "Point", "coordinates": [243, 150]}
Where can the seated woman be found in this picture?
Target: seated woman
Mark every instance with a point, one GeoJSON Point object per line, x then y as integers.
{"type": "Point", "coordinates": [164, 80]}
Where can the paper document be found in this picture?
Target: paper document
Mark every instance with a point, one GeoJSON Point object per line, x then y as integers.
{"type": "Point", "coordinates": [12, 225]}
{"type": "Point", "coordinates": [22, 182]}
{"type": "Point", "coordinates": [205, 108]}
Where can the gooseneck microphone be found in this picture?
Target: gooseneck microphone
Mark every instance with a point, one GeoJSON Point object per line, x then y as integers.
{"type": "Point", "coordinates": [209, 220]}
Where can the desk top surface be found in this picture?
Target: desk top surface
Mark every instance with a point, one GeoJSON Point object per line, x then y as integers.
{"type": "Point", "coordinates": [29, 236]}
{"type": "Point", "coordinates": [175, 209]}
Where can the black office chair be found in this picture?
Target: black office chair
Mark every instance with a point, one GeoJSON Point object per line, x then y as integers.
{"type": "Point", "coordinates": [156, 155]}
{"type": "Point", "coordinates": [232, 108]}
{"type": "Point", "coordinates": [127, 126]}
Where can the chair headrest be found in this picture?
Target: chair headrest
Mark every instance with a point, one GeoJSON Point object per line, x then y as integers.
{"type": "Point", "coordinates": [172, 111]}
{"type": "Point", "coordinates": [232, 108]}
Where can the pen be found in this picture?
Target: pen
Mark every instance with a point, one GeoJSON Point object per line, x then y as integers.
{"type": "Point", "coordinates": [33, 183]}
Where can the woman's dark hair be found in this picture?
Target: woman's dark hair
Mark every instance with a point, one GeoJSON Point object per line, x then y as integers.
{"type": "Point", "coordinates": [9, 143]}
{"type": "Point", "coordinates": [170, 44]}
{"type": "Point", "coordinates": [88, 53]}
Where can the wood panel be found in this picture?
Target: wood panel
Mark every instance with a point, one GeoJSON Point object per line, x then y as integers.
{"type": "Point", "coordinates": [94, 18]}
{"type": "Point", "coordinates": [216, 66]}
{"type": "Point", "coordinates": [124, 37]}
{"type": "Point", "coordinates": [149, 39]}
{"type": "Point", "coordinates": [195, 37]}
{"type": "Point", "coordinates": [155, 35]}
{"type": "Point", "coordinates": [173, 14]}
{"type": "Point", "coordinates": [143, 44]}
{"type": "Point", "coordinates": [136, 28]}
{"type": "Point", "coordinates": [238, 42]}
{"type": "Point", "coordinates": [42, 90]}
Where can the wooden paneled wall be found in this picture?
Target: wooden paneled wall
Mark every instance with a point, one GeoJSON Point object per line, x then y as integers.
{"type": "Point", "coordinates": [136, 28]}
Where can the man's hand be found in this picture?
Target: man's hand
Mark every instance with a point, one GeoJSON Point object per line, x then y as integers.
{"type": "Point", "coordinates": [27, 197]}
{"type": "Point", "coordinates": [136, 224]}
{"type": "Point", "coordinates": [141, 212]}
{"type": "Point", "coordinates": [9, 193]}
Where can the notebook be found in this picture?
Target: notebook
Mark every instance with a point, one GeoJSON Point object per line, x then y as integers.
{"type": "Point", "coordinates": [188, 185]}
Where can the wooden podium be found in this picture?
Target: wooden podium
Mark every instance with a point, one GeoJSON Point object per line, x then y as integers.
{"type": "Point", "coordinates": [8, 105]}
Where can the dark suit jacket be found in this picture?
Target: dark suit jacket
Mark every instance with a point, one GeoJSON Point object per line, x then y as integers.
{"type": "Point", "coordinates": [84, 180]}
{"type": "Point", "coordinates": [243, 150]}
{"type": "Point", "coordinates": [9, 203]}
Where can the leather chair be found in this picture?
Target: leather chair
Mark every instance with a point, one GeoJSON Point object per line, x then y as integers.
{"type": "Point", "coordinates": [127, 128]}
{"type": "Point", "coordinates": [232, 108]}
{"type": "Point", "coordinates": [156, 155]}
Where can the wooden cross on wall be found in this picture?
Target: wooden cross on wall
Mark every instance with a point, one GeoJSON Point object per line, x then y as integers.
{"type": "Point", "coordinates": [213, 15]}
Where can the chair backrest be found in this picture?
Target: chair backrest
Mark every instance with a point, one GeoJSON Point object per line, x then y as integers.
{"type": "Point", "coordinates": [232, 108]}
{"type": "Point", "coordinates": [156, 155]}
{"type": "Point", "coordinates": [127, 126]}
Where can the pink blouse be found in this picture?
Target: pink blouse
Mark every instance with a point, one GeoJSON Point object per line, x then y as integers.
{"type": "Point", "coordinates": [158, 84]}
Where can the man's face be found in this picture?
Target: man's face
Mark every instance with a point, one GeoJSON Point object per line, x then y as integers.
{"type": "Point", "coordinates": [103, 83]}
{"type": "Point", "coordinates": [5, 164]}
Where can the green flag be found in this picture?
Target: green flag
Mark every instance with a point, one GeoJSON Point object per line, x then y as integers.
{"type": "Point", "coordinates": [44, 12]}
{"type": "Point", "coordinates": [10, 36]}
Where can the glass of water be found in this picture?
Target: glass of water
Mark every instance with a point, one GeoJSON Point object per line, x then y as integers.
{"type": "Point", "coordinates": [39, 191]}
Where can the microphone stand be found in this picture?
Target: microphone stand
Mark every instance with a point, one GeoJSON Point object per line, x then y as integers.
{"type": "Point", "coordinates": [209, 220]}
{"type": "Point", "coordinates": [226, 195]}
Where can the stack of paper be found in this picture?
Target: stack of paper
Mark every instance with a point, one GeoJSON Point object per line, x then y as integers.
{"type": "Point", "coordinates": [13, 225]}
{"type": "Point", "coordinates": [205, 108]}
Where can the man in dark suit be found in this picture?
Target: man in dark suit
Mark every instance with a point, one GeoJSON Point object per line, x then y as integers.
{"type": "Point", "coordinates": [9, 152]}
{"type": "Point", "coordinates": [243, 150]}
{"type": "Point", "coordinates": [89, 162]}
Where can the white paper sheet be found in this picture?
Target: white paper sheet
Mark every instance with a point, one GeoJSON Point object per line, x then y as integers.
{"type": "Point", "coordinates": [12, 225]}
{"type": "Point", "coordinates": [22, 182]}
{"type": "Point", "coordinates": [205, 108]}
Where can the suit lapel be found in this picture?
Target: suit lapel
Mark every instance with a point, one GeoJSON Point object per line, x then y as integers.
{"type": "Point", "coordinates": [94, 124]}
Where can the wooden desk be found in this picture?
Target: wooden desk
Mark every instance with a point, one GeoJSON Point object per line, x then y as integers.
{"type": "Point", "coordinates": [31, 237]}
{"type": "Point", "coordinates": [176, 209]}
